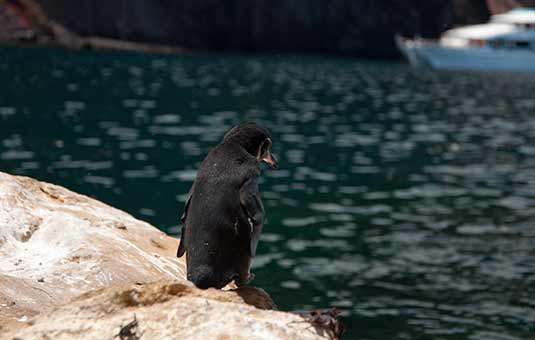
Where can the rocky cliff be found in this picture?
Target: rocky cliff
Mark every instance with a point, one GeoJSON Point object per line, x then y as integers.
{"type": "Point", "coordinates": [362, 28]}
{"type": "Point", "coordinates": [72, 267]}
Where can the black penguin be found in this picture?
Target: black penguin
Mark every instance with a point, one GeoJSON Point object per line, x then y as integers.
{"type": "Point", "coordinates": [223, 215]}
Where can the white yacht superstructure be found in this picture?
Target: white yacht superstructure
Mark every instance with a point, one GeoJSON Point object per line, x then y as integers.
{"type": "Point", "coordinates": [506, 42]}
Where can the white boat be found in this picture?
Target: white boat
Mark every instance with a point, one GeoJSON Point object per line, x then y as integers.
{"type": "Point", "coordinates": [506, 42]}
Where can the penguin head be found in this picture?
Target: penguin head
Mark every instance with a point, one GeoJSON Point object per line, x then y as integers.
{"type": "Point", "coordinates": [255, 139]}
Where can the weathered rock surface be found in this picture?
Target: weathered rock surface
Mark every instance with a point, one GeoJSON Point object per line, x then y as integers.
{"type": "Point", "coordinates": [55, 245]}
{"type": "Point", "coordinates": [72, 267]}
{"type": "Point", "coordinates": [164, 311]}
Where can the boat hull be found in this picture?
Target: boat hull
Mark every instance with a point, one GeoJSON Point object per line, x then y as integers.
{"type": "Point", "coordinates": [434, 55]}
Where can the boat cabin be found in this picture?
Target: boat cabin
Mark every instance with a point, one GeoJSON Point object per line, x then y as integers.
{"type": "Point", "coordinates": [512, 30]}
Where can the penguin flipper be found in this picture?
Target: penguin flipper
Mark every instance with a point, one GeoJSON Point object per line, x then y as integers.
{"type": "Point", "coordinates": [182, 246]}
{"type": "Point", "coordinates": [186, 205]}
{"type": "Point", "coordinates": [251, 203]}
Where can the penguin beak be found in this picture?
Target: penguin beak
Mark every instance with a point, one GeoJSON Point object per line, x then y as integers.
{"type": "Point", "coordinates": [271, 159]}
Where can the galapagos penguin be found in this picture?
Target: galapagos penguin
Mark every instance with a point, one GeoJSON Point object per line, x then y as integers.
{"type": "Point", "coordinates": [223, 215]}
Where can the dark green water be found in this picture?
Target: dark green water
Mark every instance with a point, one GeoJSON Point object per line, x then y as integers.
{"type": "Point", "coordinates": [405, 198]}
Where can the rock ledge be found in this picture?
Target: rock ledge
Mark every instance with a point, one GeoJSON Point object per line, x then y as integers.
{"type": "Point", "coordinates": [73, 267]}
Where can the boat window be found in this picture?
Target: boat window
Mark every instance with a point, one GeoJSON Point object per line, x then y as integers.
{"type": "Point", "coordinates": [525, 25]}
{"type": "Point", "coordinates": [529, 25]}
{"type": "Point", "coordinates": [497, 43]}
{"type": "Point", "coordinates": [477, 42]}
{"type": "Point", "coordinates": [522, 44]}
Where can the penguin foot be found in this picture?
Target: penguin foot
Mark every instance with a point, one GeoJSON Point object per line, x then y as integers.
{"type": "Point", "coordinates": [242, 282]}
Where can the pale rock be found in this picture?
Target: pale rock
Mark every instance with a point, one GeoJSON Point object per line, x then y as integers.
{"type": "Point", "coordinates": [74, 268]}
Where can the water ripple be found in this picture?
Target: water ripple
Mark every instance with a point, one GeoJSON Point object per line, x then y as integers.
{"type": "Point", "coordinates": [403, 197]}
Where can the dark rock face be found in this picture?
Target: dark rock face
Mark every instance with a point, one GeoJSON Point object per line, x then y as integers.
{"type": "Point", "coordinates": [351, 27]}
{"type": "Point", "coordinates": [364, 28]}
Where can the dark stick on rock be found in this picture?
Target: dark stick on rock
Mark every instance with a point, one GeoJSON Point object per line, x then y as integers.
{"type": "Point", "coordinates": [129, 331]}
